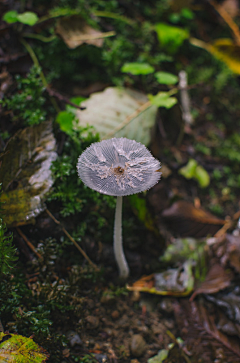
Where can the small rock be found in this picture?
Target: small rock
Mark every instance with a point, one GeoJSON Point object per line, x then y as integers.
{"type": "Point", "coordinates": [115, 314]}
{"type": "Point", "coordinates": [74, 338]}
{"type": "Point", "coordinates": [138, 345]}
{"type": "Point", "coordinates": [93, 321]}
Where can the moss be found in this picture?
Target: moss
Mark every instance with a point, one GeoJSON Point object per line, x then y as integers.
{"type": "Point", "coordinates": [28, 101]}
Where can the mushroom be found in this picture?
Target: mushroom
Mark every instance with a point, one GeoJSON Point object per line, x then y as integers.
{"type": "Point", "coordinates": [118, 167]}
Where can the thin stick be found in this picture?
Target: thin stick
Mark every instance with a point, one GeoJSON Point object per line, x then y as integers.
{"type": "Point", "coordinates": [228, 19]}
{"type": "Point", "coordinates": [73, 241]}
{"type": "Point", "coordinates": [229, 224]}
{"type": "Point", "coordinates": [185, 100]}
{"type": "Point", "coordinates": [36, 63]}
{"type": "Point", "coordinates": [56, 94]}
{"type": "Point", "coordinates": [30, 245]}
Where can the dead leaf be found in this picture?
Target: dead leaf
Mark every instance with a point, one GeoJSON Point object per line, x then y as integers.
{"type": "Point", "coordinates": [227, 249]}
{"type": "Point", "coordinates": [75, 31]}
{"type": "Point", "coordinates": [224, 49]}
{"type": "Point", "coordinates": [201, 335]}
{"type": "Point", "coordinates": [217, 279]}
{"type": "Point", "coordinates": [186, 220]}
{"type": "Point", "coordinates": [25, 173]}
{"type": "Point", "coordinates": [228, 303]}
{"type": "Point", "coordinates": [119, 112]}
{"type": "Point", "coordinates": [172, 282]}
{"type": "Point", "coordinates": [16, 348]}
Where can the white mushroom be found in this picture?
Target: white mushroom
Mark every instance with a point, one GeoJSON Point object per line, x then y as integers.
{"type": "Point", "coordinates": [118, 167]}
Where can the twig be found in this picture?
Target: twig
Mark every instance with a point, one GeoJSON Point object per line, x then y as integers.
{"type": "Point", "coordinates": [73, 241]}
{"type": "Point", "coordinates": [30, 245]}
{"type": "Point", "coordinates": [185, 100]}
{"type": "Point", "coordinates": [128, 119]}
{"type": "Point", "coordinates": [40, 37]}
{"type": "Point", "coordinates": [62, 98]}
{"type": "Point", "coordinates": [229, 224]}
{"type": "Point", "coordinates": [228, 19]}
{"type": "Point", "coordinates": [36, 63]}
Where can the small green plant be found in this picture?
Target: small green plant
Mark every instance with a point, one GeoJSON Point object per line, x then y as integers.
{"type": "Point", "coordinates": [28, 18]}
{"type": "Point", "coordinates": [27, 103]}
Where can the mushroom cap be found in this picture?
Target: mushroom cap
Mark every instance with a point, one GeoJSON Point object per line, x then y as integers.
{"type": "Point", "coordinates": [118, 167]}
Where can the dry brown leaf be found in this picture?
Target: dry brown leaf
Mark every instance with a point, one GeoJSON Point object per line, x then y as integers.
{"type": "Point", "coordinates": [75, 31]}
{"type": "Point", "coordinates": [217, 279]}
{"type": "Point", "coordinates": [201, 335]}
{"type": "Point", "coordinates": [188, 221]}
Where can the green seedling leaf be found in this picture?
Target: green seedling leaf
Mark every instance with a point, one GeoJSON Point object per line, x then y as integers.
{"type": "Point", "coordinates": [11, 16]}
{"type": "Point", "coordinates": [171, 37]}
{"type": "Point", "coordinates": [162, 99]}
{"type": "Point", "coordinates": [202, 176]}
{"type": "Point", "coordinates": [166, 78]}
{"type": "Point", "coordinates": [188, 171]}
{"type": "Point", "coordinates": [160, 357]}
{"type": "Point", "coordinates": [65, 120]}
{"type": "Point", "coordinates": [137, 69]}
{"type": "Point", "coordinates": [194, 171]}
{"type": "Point", "coordinates": [77, 101]}
{"type": "Point", "coordinates": [16, 348]}
{"type": "Point", "coordinates": [28, 18]}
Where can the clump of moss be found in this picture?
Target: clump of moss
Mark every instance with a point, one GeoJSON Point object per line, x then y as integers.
{"type": "Point", "coordinates": [28, 101]}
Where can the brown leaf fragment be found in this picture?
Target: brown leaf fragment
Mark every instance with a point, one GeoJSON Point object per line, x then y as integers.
{"type": "Point", "coordinates": [233, 249]}
{"type": "Point", "coordinates": [217, 279]}
{"type": "Point", "coordinates": [75, 31]}
{"type": "Point", "coordinates": [185, 220]}
{"type": "Point", "coordinates": [201, 336]}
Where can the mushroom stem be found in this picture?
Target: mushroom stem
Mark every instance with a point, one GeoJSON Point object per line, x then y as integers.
{"type": "Point", "coordinates": [117, 243]}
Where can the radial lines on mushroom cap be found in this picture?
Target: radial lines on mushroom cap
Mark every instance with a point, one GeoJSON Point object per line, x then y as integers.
{"type": "Point", "coordinates": [118, 167]}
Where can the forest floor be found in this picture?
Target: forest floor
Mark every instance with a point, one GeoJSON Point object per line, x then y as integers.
{"type": "Point", "coordinates": [181, 238]}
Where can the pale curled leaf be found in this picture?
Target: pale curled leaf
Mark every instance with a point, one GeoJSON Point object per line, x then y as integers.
{"type": "Point", "coordinates": [25, 173]}
{"type": "Point", "coordinates": [119, 112]}
{"type": "Point", "coordinates": [172, 282]}
{"type": "Point", "coordinates": [75, 31]}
